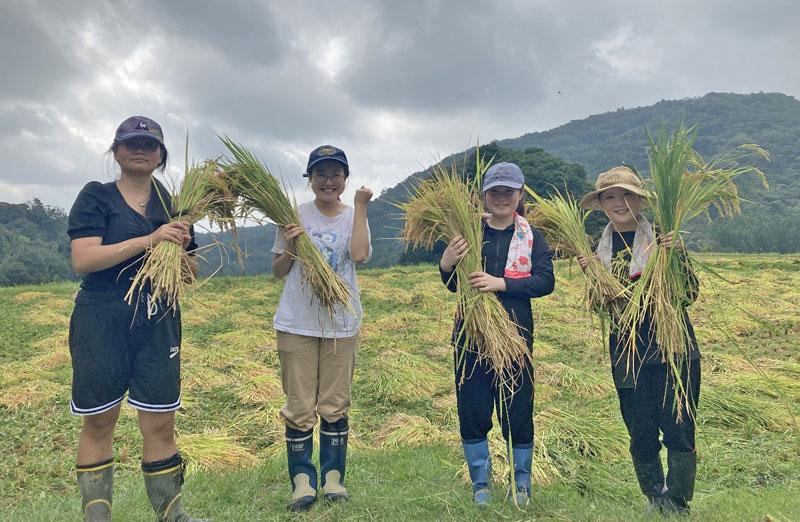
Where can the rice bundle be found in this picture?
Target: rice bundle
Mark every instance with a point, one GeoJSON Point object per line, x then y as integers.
{"type": "Point", "coordinates": [202, 194]}
{"type": "Point", "coordinates": [562, 222]}
{"type": "Point", "coordinates": [685, 186]}
{"type": "Point", "coordinates": [259, 190]}
{"type": "Point", "coordinates": [443, 207]}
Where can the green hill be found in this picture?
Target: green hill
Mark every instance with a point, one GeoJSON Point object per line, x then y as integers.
{"type": "Point", "coordinates": [34, 247]}
{"type": "Point", "coordinates": [724, 121]}
{"type": "Point", "coordinates": [405, 462]}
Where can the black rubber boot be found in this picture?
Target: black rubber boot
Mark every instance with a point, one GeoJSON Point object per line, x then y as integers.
{"type": "Point", "coordinates": [332, 458]}
{"type": "Point", "coordinates": [163, 480]}
{"type": "Point", "coordinates": [650, 475]}
{"type": "Point", "coordinates": [302, 473]}
{"type": "Point", "coordinates": [680, 482]}
{"type": "Point", "coordinates": [96, 482]}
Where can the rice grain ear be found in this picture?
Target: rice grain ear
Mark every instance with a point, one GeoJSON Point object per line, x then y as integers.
{"type": "Point", "coordinates": [258, 190]}
{"type": "Point", "coordinates": [563, 224]}
{"type": "Point", "coordinates": [446, 205]}
{"type": "Point", "coordinates": [685, 186]}
{"type": "Point", "coordinates": [165, 272]}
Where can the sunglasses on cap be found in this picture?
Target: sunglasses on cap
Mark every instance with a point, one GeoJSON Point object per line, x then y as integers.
{"type": "Point", "coordinates": [142, 143]}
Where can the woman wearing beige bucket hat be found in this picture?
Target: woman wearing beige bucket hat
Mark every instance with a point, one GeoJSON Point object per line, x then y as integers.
{"type": "Point", "coordinates": [646, 388]}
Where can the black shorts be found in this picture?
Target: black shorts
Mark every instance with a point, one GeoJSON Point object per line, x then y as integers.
{"type": "Point", "coordinates": [116, 349]}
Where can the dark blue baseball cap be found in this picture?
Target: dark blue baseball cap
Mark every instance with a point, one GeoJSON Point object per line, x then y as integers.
{"type": "Point", "coordinates": [503, 175]}
{"type": "Point", "coordinates": [326, 152]}
{"type": "Point", "coordinates": [136, 126]}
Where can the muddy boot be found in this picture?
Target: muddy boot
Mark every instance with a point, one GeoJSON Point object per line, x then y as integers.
{"type": "Point", "coordinates": [480, 470]}
{"type": "Point", "coordinates": [302, 473]}
{"type": "Point", "coordinates": [523, 460]}
{"type": "Point", "coordinates": [680, 482]}
{"type": "Point", "coordinates": [163, 480]}
{"type": "Point", "coordinates": [96, 482]}
{"type": "Point", "coordinates": [332, 458]}
{"type": "Point", "coordinates": [650, 475]}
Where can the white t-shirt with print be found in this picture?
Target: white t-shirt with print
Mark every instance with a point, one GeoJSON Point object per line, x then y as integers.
{"type": "Point", "coordinates": [299, 311]}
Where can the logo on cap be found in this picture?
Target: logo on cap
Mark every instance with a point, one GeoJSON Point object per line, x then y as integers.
{"type": "Point", "coordinates": [326, 151]}
{"type": "Point", "coordinates": [142, 125]}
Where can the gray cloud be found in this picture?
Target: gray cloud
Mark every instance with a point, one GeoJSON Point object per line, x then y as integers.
{"type": "Point", "coordinates": [394, 83]}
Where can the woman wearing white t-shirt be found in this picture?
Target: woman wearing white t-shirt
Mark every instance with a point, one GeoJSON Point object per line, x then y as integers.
{"type": "Point", "coordinates": [318, 351]}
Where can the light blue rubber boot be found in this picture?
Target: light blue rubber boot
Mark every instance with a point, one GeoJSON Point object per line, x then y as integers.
{"type": "Point", "coordinates": [523, 460]}
{"type": "Point", "coordinates": [480, 470]}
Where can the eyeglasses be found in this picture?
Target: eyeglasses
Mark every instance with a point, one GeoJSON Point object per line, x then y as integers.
{"type": "Point", "coordinates": [322, 178]}
{"type": "Point", "coordinates": [141, 143]}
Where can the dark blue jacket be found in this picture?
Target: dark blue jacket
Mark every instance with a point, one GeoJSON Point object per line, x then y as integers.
{"type": "Point", "coordinates": [517, 297]}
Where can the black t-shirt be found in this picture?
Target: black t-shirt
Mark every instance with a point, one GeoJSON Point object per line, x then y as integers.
{"type": "Point", "coordinates": [101, 211]}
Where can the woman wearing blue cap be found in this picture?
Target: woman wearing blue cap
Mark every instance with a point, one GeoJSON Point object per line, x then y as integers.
{"type": "Point", "coordinates": [317, 350]}
{"type": "Point", "coordinates": [115, 349]}
{"type": "Point", "coordinates": [518, 267]}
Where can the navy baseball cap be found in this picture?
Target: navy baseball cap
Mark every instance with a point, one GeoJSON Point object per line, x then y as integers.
{"type": "Point", "coordinates": [503, 175]}
{"type": "Point", "coordinates": [326, 152]}
{"type": "Point", "coordinates": [139, 126]}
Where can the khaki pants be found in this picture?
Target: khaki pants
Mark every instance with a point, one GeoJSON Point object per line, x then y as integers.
{"type": "Point", "coordinates": [317, 376]}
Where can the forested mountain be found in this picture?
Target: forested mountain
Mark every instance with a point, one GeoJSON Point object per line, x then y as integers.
{"type": "Point", "coordinates": [769, 222]}
{"type": "Point", "coordinates": [34, 247]}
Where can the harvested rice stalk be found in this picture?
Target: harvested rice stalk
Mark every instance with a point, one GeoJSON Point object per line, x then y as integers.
{"type": "Point", "coordinates": [259, 190]}
{"type": "Point", "coordinates": [442, 207]}
{"type": "Point", "coordinates": [685, 186]}
{"type": "Point", "coordinates": [562, 222]}
{"type": "Point", "coordinates": [166, 269]}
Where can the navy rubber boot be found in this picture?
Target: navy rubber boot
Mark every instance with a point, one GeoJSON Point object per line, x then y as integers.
{"type": "Point", "coordinates": [332, 458]}
{"type": "Point", "coordinates": [302, 473]}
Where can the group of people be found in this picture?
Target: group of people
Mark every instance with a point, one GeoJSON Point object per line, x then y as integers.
{"type": "Point", "coordinates": [116, 350]}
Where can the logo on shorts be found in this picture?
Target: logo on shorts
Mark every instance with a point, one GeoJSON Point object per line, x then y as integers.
{"type": "Point", "coordinates": [173, 351]}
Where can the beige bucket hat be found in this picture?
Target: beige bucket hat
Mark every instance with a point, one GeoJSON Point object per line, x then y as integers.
{"type": "Point", "coordinates": [622, 177]}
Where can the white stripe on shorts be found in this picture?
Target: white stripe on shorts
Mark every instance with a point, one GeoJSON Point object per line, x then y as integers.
{"type": "Point", "coordinates": [93, 411]}
{"type": "Point", "coordinates": [155, 407]}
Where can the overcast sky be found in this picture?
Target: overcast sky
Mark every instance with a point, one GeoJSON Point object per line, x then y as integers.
{"type": "Point", "coordinates": [395, 84]}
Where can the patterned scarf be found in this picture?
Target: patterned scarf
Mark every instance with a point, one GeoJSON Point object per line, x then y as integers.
{"type": "Point", "coordinates": [518, 264]}
{"type": "Point", "coordinates": [640, 252]}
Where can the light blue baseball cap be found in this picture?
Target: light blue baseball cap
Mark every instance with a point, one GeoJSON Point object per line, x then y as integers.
{"type": "Point", "coordinates": [503, 175]}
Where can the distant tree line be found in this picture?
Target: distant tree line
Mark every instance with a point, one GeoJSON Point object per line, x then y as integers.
{"type": "Point", "coordinates": [34, 247]}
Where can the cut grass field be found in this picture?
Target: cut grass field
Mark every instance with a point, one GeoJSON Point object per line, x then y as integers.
{"type": "Point", "coordinates": [405, 460]}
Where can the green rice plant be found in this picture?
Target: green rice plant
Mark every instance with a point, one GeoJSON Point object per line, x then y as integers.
{"type": "Point", "coordinates": [214, 451]}
{"type": "Point", "coordinates": [563, 223]}
{"type": "Point", "coordinates": [442, 207]}
{"type": "Point", "coordinates": [581, 382]}
{"type": "Point", "coordinates": [258, 190]}
{"type": "Point", "coordinates": [405, 430]}
{"type": "Point", "coordinates": [685, 186]}
{"type": "Point", "coordinates": [723, 406]}
{"type": "Point", "coordinates": [574, 435]}
{"type": "Point", "coordinates": [397, 377]}
{"type": "Point", "coordinates": [166, 271]}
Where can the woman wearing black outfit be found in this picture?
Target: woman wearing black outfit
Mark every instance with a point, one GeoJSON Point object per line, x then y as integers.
{"type": "Point", "coordinates": [646, 389]}
{"type": "Point", "coordinates": [518, 267]}
{"type": "Point", "coordinates": [115, 349]}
